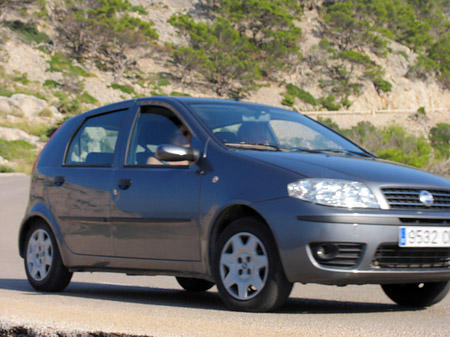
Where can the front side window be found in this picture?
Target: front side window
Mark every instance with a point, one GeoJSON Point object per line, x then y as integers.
{"type": "Point", "coordinates": [154, 127]}
{"type": "Point", "coordinates": [95, 142]}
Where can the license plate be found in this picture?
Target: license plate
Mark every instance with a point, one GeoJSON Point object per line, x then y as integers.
{"type": "Point", "coordinates": [424, 237]}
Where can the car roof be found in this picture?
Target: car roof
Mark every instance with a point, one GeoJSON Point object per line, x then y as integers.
{"type": "Point", "coordinates": [167, 99]}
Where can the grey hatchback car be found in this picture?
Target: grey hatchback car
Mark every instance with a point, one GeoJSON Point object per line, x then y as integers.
{"type": "Point", "coordinates": [247, 197]}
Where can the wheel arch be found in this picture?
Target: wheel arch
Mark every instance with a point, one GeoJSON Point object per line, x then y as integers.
{"type": "Point", "coordinates": [225, 218]}
{"type": "Point", "coordinates": [28, 222]}
{"type": "Point", "coordinates": [273, 291]}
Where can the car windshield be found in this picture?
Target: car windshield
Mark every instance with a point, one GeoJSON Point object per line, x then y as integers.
{"type": "Point", "coordinates": [259, 127]}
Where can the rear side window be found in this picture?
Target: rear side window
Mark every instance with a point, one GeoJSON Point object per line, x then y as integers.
{"type": "Point", "coordinates": [95, 142]}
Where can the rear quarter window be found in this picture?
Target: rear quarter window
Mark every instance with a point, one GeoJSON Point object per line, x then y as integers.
{"type": "Point", "coordinates": [95, 141]}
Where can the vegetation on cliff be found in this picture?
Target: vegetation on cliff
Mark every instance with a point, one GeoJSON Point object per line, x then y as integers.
{"type": "Point", "coordinates": [230, 49]}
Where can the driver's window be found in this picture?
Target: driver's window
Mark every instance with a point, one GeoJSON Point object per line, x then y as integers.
{"type": "Point", "coordinates": [156, 126]}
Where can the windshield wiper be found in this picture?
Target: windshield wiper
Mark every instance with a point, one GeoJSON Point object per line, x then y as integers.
{"type": "Point", "coordinates": [340, 151]}
{"type": "Point", "coordinates": [273, 147]}
{"type": "Point", "coordinates": [346, 152]}
{"type": "Point", "coordinates": [255, 146]}
{"type": "Point", "coordinates": [305, 149]}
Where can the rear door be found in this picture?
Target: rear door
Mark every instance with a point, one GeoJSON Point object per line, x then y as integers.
{"type": "Point", "coordinates": [79, 193]}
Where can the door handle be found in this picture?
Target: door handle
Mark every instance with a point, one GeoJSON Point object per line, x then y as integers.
{"type": "Point", "coordinates": [124, 183]}
{"type": "Point", "coordinates": [59, 180]}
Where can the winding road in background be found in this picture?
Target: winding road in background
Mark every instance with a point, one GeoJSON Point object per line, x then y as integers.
{"type": "Point", "coordinates": [157, 306]}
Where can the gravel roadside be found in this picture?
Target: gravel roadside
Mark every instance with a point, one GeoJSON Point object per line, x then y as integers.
{"type": "Point", "coordinates": [7, 330]}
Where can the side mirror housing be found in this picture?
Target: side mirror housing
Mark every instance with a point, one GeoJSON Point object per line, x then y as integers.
{"type": "Point", "coordinates": [169, 152]}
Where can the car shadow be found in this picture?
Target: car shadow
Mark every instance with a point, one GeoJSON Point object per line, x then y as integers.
{"type": "Point", "coordinates": [321, 306]}
{"type": "Point", "coordinates": [209, 300]}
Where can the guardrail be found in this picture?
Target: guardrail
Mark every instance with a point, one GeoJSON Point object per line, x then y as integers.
{"type": "Point", "coordinates": [371, 112]}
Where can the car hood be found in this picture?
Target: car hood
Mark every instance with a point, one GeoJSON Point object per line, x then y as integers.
{"type": "Point", "coordinates": [349, 168]}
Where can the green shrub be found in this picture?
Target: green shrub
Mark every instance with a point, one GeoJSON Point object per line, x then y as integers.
{"type": "Point", "coordinates": [139, 9]}
{"type": "Point", "coordinates": [391, 143]}
{"type": "Point", "coordinates": [86, 98]}
{"type": "Point", "coordinates": [6, 93]}
{"type": "Point", "coordinates": [346, 102]}
{"type": "Point", "coordinates": [15, 149]}
{"type": "Point", "coordinates": [423, 67]}
{"type": "Point", "coordinates": [163, 82]}
{"type": "Point", "coordinates": [179, 94]}
{"type": "Point", "coordinates": [35, 129]}
{"type": "Point", "coordinates": [365, 134]}
{"type": "Point", "coordinates": [440, 139]}
{"type": "Point", "coordinates": [63, 64]}
{"type": "Point", "coordinates": [68, 104]}
{"type": "Point", "coordinates": [330, 123]}
{"type": "Point", "coordinates": [326, 45]}
{"type": "Point", "coordinates": [376, 76]}
{"type": "Point", "coordinates": [377, 44]}
{"type": "Point", "coordinates": [127, 89]}
{"type": "Point", "coordinates": [419, 156]}
{"type": "Point", "coordinates": [355, 57]}
{"type": "Point", "coordinates": [6, 169]}
{"type": "Point", "coordinates": [399, 146]}
{"type": "Point", "coordinates": [52, 84]}
{"type": "Point", "coordinates": [404, 54]}
{"type": "Point", "coordinates": [329, 103]}
{"type": "Point", "coordinates": [419, 115]}
{"type": "Point", "coordinates": [288, 100]}
{"type": "Point", "coordinates": [28, 31]}
{"type": "Point", "coordinates": [21, 78]}
{"type": "Point", "coordinates": [305, 96]}
{"type": "Point", "coordinates": [382, 84]}
{"type": "Point", "coordinates": [20, 153]}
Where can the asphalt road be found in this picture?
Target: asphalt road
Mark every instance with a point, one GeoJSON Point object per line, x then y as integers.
{"type": "Point", "coordinates": [156, 306]}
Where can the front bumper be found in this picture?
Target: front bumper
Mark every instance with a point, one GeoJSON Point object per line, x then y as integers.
{"type": "Point", "coordinates": [301, 228]}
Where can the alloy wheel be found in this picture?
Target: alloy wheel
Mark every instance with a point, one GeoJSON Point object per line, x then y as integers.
{"type": "Point", "coordinates": [244, 266]}
{"type": "Point", "coordinates": [39, 255]}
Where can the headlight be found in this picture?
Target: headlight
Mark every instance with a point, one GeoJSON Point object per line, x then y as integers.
{"type": "Point", "coordinates": [333, 192]}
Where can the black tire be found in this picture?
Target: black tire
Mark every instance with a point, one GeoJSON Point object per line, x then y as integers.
{"type": "Point", "coordinates": [417, 294]}
{"type": "Point", "coordinates": [43, 265]}
{"type": "Point", "coordinates": [194, 285]}
{"type": "Point", "coordinates": [256, 282]}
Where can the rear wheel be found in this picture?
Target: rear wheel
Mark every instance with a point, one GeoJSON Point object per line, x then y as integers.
{"type": "Point", "coordinates": [194, 285]}
{"type": "Point", "coordinates": [247, 268]}
{"type": "Point", "coordinates": [417, 294]}
{"type": "Point", "coordinates": [43, 265]}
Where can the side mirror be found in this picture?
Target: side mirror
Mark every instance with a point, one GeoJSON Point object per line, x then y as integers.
{"type": "Point", "coordinates": [169, 152]}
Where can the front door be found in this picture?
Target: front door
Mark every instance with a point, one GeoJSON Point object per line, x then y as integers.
{"type": "Point", "coordinates": [155, 204]}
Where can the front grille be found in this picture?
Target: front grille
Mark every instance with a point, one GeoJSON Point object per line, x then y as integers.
{"type": "Point", "coordinates": [409, 198]}
{"type": "Point", "coordinates": [337, 254]}
{"type": "Point", "coordinates": [390, 256]}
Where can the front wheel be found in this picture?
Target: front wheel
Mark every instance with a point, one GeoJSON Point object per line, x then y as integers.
{"type": "Point", "coordinates": [247, 268]}
{"type": "Point", "coordinates": [417, 294]}
{"type": "Point", "coordinates": [43, 265]}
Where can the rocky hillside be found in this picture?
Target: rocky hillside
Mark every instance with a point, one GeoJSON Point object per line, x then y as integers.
{"type": "Point", "coordinates": [59, 58]}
